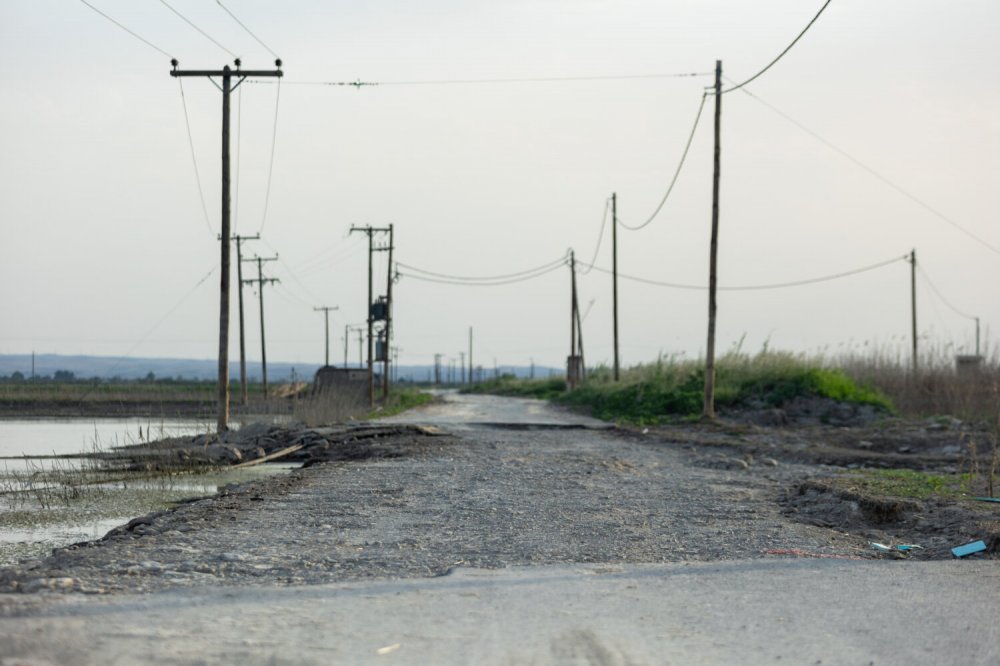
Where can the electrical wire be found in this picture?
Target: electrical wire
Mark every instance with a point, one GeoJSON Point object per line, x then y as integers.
{"type": "Point", "coordinates": [440, 82]}
{"type": "Point", "coordinates": [194, 159]}
{"type": "Point", "coordinates": [188, 21]}
{"type": "Point", "coordinates": [482, 284]}
{"type": "Point", "coordinates": [873, 172]}
{"type": "Point", "coordinates": [944, 300]}
{"type": "Point", "coordinates": [561, 261]}
{"type": "Point", "coordinates": [155, 326]}
{"type": "Point", "coordinates": [239, 133]}
{"type": "Point", "coordinates": [270, 168]}
{"type": "Point", "coordinates": [141, 39]}
{"type": "Point", "coordinates": [294, 277]}
{"type": "Point", "coordinates": [782, 54]}
{"type": "Point", "coordinates": [677, 173]}
{"type": "Point", "coordinates": [242, 25]}
{"type": "Point", "coordinates": [600, 238]}
{"type": "Point", "coordinates": [758, 287]}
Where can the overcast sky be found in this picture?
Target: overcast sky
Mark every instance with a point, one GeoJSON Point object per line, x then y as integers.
{"type": "Point", "coordinates": [105, 244]}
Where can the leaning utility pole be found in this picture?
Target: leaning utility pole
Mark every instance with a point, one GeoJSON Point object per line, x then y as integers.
{"type": "Point", "coordinates": [260, 282]}
{"type": "Point", "coordinates": [709, 405]}
{"type": "Point", "coordinates": [239, 287]}
{"type": "Point", "coordinates": [913, 307]}
{"type": "Point", "coordinates": [227, 87]}
{"type": "Point", "coordinates": [326, 312]}
{"type": "Point", "coordinates": [614, 271]}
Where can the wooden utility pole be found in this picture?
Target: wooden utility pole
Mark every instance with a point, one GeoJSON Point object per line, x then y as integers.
{"type": "Point", "coordinates": [614, 272]}
{"type": "Point", "coordinates": [239, 287]}
{"type": "Point", "coordinates": [388, 320]}
{"type": "Point", "coordinates": [913, 306]}
{"type": "Point", "coordinates": [326, 328]}
{"type": "Point", "coordinates": [709, 406]}
{"type": "Point", "coordinates": [226, 74]}
{"type": "Point", "coordinates": [371, 231]}
{"type": "Point", "coordinates": [470, 355]}
{"type": "Point", "coordinates": [260, 282]}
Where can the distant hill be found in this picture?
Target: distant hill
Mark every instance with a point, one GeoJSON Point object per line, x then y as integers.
{"type": "Point", "coordinates": [106, 367]}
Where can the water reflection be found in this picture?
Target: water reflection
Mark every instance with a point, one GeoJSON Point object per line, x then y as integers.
{"type": "Point", "coordinates": [44, 504]}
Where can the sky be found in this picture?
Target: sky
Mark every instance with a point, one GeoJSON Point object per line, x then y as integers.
{"type": "Point", "coordinates": [875, 135]}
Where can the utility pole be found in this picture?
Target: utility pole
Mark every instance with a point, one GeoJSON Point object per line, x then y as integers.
{"type": "Point", "coordinates": [370, 230]}
{"type": "Point", "coordinates": [437, 369]}
{"type": "Point", "coordinates": [226, 74]}
{"type": "Point", "coordinates": [388, 321]}
{"type": "Point", "coordinates": [913, 306]}
{"type": "Point", "coordinates": [346, 330]}
{"type": "Point", "coordinates": [470, 355]}
{"type": "Point", "coordinates": [461, 375]}
{"type": "Point", "coordinates": [239, 286]}
{"type": "Point", "coordinates": [614, 271]}
{"type": "Point", "coordinates": [709, 404]}
{"type": "Point", "coordinates": [260, 282]}
{"type": "Point", "coordinates": [326, 312]}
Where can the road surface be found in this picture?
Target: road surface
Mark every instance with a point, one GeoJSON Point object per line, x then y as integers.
{"type": "Point", "coordinates": [747, 610]}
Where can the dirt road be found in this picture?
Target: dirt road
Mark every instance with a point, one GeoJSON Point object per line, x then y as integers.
{"type": "Point", "coordinates": [524, 535]}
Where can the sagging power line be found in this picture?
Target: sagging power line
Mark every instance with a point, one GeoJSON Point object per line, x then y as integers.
{"type": "Point", "coordinates": [540, 79]}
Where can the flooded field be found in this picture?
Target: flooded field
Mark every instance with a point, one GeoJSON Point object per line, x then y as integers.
{"type": "Point", "coordinates": [47, 500]}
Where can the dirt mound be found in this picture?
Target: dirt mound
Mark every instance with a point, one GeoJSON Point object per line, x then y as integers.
{"type": "Point", "coordinates": [935, 525]}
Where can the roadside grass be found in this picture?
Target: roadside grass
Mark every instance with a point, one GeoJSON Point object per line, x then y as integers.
{"type": "Point", "coordinates": [908, 484]}
{"type": "Point", "coordinates": [671, 390]}
{"type": "Point", "coordinates": [400, 400]}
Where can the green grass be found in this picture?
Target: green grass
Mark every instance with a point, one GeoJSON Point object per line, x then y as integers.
{"type": "Point", "coordinates": [543, 389]}
{"type": "Point", "coordinates": [402, 399]}
{"type": "Point", "coordinates": [907, 483]}
{"type": "Point", "coordinates": [670, 390]}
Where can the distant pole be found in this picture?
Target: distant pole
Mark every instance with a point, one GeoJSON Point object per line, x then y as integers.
{"type": "Point", "coordinates": [239, 280]}
{"type": "Point", "coordinates": [437, 369]}
{"type": "Point", "coordinates": [977, 337]}
{"type": "Point", "coordinates": [346, 333]}
{"type": "Point", "coordinates": [461, 374]}
{"type": "Point", "coordinates": [261, 281]}
{"type": "Point", "coordinates": [572, 304]}
{"type": "Point", "coordinates": [226, 74]}
{"type": "Point", "coordinates": [326, 312]}
{"type": "Point", "coordinates": [913, 306]}
{"type": "Point", "coordinates": [470, 354]}
{"type": "Point", "coordinates": [614, 272]}
{"type": "Point", "coordinates": [388, 321]}
{"type": "Point", "coordinates": [709, 406]}
{"type": "Point", "coordinates": [33, 353]}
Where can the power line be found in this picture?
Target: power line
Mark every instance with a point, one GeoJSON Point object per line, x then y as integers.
{"type": "Point", "coordinates": [546, 79]}
{"type": "Point", "coordinates": [781, 55]}
{"type": "Point", "coordinates": [242, 25]}
{"type": "Point", "coordinates": [292, 273]}
{"type": "Point", "coordinates": [494, 281]}
{"type": "Point", "coordinates": [944, 300]}
{"type": "Point", "coordinates": [677, 173]}
{"type": "Point", "coordinates": [600, 238]}
{"type": "Point", "coordinates": [140, 38]}
{"type": "Point", "coordinates": [464, 278]}
{"type": "Point", "coordinates": [270, 168]}
{"type": "Point", "coordinates": [760, 287]}
{"type": "Point", "coordinates": [194, 160]}
{"type": "Point", "coordinates": [208, 36]}
{"type": "Point", "coordinates": [884, 179]}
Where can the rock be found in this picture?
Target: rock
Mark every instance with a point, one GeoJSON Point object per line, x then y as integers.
{"type": "Point", "coordinates": [865, 444]}
{"type": "Point", "coordinates": [770, 462]}
{"type": "Point", "coordinates": [232, 557]}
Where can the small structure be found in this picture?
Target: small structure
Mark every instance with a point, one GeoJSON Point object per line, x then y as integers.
{"type": "Point", "coordinates": [968, 365]}
{"type": "Point", "coordinates": [349, 383]}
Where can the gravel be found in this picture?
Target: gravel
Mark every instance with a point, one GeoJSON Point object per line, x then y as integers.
{"type": "Point", "coordinates": [483, 496]}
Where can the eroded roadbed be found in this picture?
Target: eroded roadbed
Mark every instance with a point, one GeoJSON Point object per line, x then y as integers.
{"type": "Point", "coordinates": [412, 503]}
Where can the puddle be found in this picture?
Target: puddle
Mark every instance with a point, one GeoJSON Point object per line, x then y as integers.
{"type": "Point", "coordinates": [44, 505]}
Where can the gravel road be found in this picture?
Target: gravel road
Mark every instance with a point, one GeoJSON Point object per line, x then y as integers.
{"type": "Point", "coordinates": [545, 487]}
{"type": "Point", "coordinates": [519, 534]}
